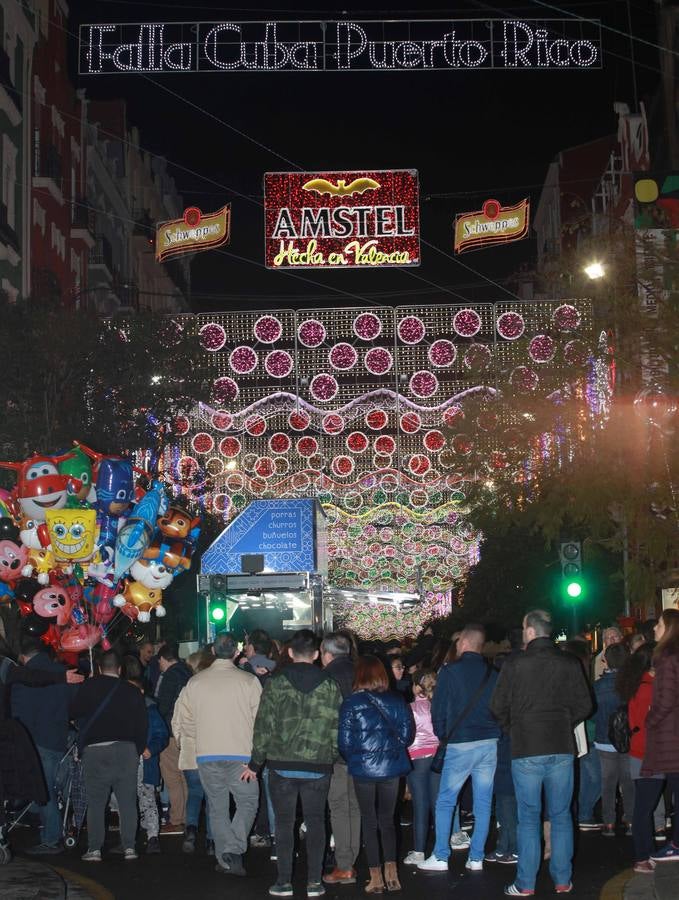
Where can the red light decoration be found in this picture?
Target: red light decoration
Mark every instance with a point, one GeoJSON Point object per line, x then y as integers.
{"type": "Point", "coordinates": [307, 446]}
{"type": "Point", "coordinates": [410, 422]}
{"type": "Point", "coordinates": [462, 444]}
{"type": "Point", "coordinates": [434, 441]}
{"type": "Point", "coordinates": [279, 442]}
{"type": "Point", "coordinates": [311, 333]}
{"type": "Point", "coordinates": [229, 447]}
{"type": "Point", "coordinates": [220, 502]}
{"type": "Point", "coordinates": [299, 420]}
{"type": "Point", "coordinates": [466, 323]}
{"type": "Point", "coordinates": [243, 360]}
{"type": "Point", "coordinates": [264, 467]}
{"type": "Point", "coordinates": [524, 380]}
{"type": "Point", "coordinates": [487, 420]}
{"type": "Point", "coordinates": [268, 329]}
{"type": "Point", "coordinates": [255, 425]}
{"type": "Point", "coordinates": [192, 216]}
{"type": "Point", "coordinates": [367, 326]}
{"type": "Point", "coordinates": [357, 442]}
{"type": "Point", "coordinates": [385, 444]}
{"type": "Point", "coordinates": [542, 348]}
{"type": "Point", "coordinates": [453, 415]}
{"type": "Point", "coordinates": [212, 337]}
{"type": "Point", "coordinates": [225, 389]}
{"type": "Point", "coordinates": [278, 363]}
{"type": "Point", "coordinates": [424, 384]}
{"type": "Point", "coordinates": [203, 442]}
{"type": "Point", "coordinates": [181, 425]}
{"type": "Point", "coordinates": [442, 353]}
{"type": "Point", "coordinates": [188, 467]}
{"type": "Point", "coordinates": [566, 317]}
{"type": "Point", "coordinates": [376, 419]}
{"type": "Point", "coordinates": [510, 326]}
{"type": "Point", "coordinates": [333, 423]}
{"type": "Point", "coordinates": [411, 330]}
{"type": "Point", "coordinates": [323, 387]}
{"type": "Point", "coordinates": [221, 420]}
{"type": "Point", "coordinates": [342, 357]}
{"type": "Point", "coordinates": [378, 361]}
{"type": "Point", "coordinates": [419, 464]}
{"type": "Point", "coordinates": [342, 466]}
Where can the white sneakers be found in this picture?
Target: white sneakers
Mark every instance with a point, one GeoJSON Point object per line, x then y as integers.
{"type": "Point", "coordinates": [460, 840]}
{"type": "Point", "coordinates": [474, 865]}
{"type": "Point", "coordinates": [433, 864]}
{"type": "Point", "coordinates": [414, 858]}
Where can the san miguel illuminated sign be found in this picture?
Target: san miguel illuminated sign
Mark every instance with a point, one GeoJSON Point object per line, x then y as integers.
{"type": "Point", "coordinates": [494, 224]}
{"type": "Point", "coordinates": [338, 220]}
{"type": "Point", "coordinates": [308, 46]}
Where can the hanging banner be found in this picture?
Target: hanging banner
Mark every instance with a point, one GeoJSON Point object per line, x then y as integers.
{"type": "Point", "coordinates": [493, 224]}
{"type": "Point", "coordinates": [195, 231]}
{"type": "Point", "coordinates": [342, 220]}
{"type": "Point", "coordinates": [432, 45]}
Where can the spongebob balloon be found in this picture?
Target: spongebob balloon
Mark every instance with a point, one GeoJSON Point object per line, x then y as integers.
{"type": "Point", "coordinates": [72, 533]}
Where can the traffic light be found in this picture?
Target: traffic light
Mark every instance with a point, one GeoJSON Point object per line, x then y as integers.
{"type": "Point", "coordinates": [218, 599]}
{"type": "Point", "coordinates": [570, 554]}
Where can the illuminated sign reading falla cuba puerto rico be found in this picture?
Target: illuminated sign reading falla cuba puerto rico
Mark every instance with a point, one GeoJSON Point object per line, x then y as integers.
{"type": "Point", "coordinates": [342, 219]}
{"type": "Point", "coordinates": [304, 46]}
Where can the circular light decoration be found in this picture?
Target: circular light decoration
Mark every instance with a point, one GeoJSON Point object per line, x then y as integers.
{"type": "Point", "coordinates": [268, 329]}
{"type": "Point", "coordinates": [181, 425]}
{"type": "Point", "coordinates": [225, 389]}
{"type": "Point", "coordinates": [411, 330]}
{"type": "Point", "coordinates": [278, 363]}
{"type": "Point", "coordinates": [410, 422]}
{"type": "Point", "coordinates": [235, 481]}
{"type": "Point", "coordinates": [376, 419]}
{"type": "Point", "coordinates": [477, 357]}
{"type": "Point", "coordinates": [566, 317]}
{"type": "Point", "coordinates": [510, 326]}
{"type": "Point", "coordinates": [248, 462]}
{"type": "Point", "coordinates": [367, 326]}
{"type": "Point", "coordinates": [169, 334]}
{"type": "Point", "coordinates": [576, 353]}
{"type": "Point", "coordinates": [442, 353]}
{"type": "Point", "coordinates": [229, 447]}
{"type": "Point", "coordinates": [498, 460]}
{"type": "Point", "coordinates": [279, 442]}
{"type": "Point", "coordinates": [524, 380]}
{"type": "Point", "coordinates": [307, 446]}
{"type": "Point", "coordinates": [462, 444]}
{"type": "Point", "coordinates": [220, 503]}
{"type": "Point", "coordinates": [301, 481]}
{"type": "Point", "coordinates": [311, 333]}
{"type": "Point", "coordinates": [323, 387]}
{"type": "Point", "coordinates": [378, 360]}
{"type": "Point", "coordinates": [385, 444]}
{"type": "Point", "coordinates": [332, 423]}
{"type": "Point", "coordinates": [222, 420]}
{"type": "Point", "coordinates": [299, 420]}
{"type": "Point", "coordinates": [255, 425]}
{"type": "Point", "coordinates": [342, 357]}
{"type": "Point", "coordinates": [342, 466]}
{"type": "Point", "coordinates": [212, 337]}
{"type": "Point", "coordinates": [542, 348]}
{"type": "Point", "coordinates": [243, 360]}
{"type": "Point", "coordinates": [382, 460]}
{"type": "Point", "coordinates": [453, 415]}
{"type": "Point", "coordinates": [434, 441]}
{"type": "Point", "coordinates": [357, 442]}
{"type": "Point", "coordinates": [281, 465]}
{"type": "Point", "coordinates": [418, 500]}
{"type": "Point", "coordinates": [214, 466]}
{"type": "Point", "coordinates": [487, 420]}
{"type": "Point", "coordinates": [257, 485]}
{"type": "Point", "coordinates": [466, 323]}
{"type": "Point", "coordinates": [188, 467]}
{"type": "Point", "coordinates": [264, 467]}
{"type": "Point", "coordinates": [203, 442]}
{"type": "Point", "coordinates": [424, 384]}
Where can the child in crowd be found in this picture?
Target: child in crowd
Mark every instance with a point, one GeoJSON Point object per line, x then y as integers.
{"type": "Point", "coordinates": [149, 772]}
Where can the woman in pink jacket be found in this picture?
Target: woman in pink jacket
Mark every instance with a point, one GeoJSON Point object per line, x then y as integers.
{"type": "Point", "coordinates": [423, 783]}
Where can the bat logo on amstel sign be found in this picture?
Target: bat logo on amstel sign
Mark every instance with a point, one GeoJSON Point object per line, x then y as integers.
{"type": "Point", "coordinates": [342, 220]}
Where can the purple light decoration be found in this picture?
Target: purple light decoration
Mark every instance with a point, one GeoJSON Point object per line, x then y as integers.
{"type": "Point", "coordinates": [342, 357]}
{"type": "Point", "coordinates": [466, 323]}
{"type": "Point", "coordinates": [278, 363]}
{"type": "Point", "coordinates": [542, 348]}
{"type": "Point", "coordinates": [212, 337]}
{"type": "Point", "coordinates": [424, 384]}
{"type": "Point", "coordinates": [510, 326]}
{"type": "Point", "coordinates": [311, 333]}
{"type": "Point", "coordinates": [268, 329]}
{"type": "Point", "coordinates": [442, 353]}
{"type": "Point", "coordinates": [411, 330]}
{"type": "Point", "coordinates": [378, 361]}
{"type": "Point", "coordinates": [566, 317]}
{"type": "Point", "coordinates": [243, 360]}
{"type": "Point", "coordinates": [323, 387]}
{"type": "Point", "coordinates": [367, 326]}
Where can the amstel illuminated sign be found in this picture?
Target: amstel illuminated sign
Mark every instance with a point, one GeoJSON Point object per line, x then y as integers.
{"type": "Point", "coordinates": [341, 220]}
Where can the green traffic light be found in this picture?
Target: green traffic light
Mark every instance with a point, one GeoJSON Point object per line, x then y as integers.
{"type": "Point", "coordinates": [218, 614]}
{"type": "Point", "coordinates": [574, 589]}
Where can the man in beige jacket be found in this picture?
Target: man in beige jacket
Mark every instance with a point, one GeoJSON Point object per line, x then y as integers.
{"type": "Point", "coordinates": [214, 718]}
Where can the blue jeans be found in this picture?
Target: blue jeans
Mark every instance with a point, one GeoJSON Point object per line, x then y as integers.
{"type": "Point", "coordinates": [478, 759]}
{"type": "Point", "coordinates": [50, 818]}
{"type": "Point", "coordinates": [194, 801]}
{"type": "Point", "coordinates": [590, 785]}
{"type": "Point", "coordinates": [269, 805]}
{"type": "Point", "coordinates": [424, 788]}
{"type": "Point", "coordinates": [505, 812]}
{"type": "Point", "coordinates": [555, 774]}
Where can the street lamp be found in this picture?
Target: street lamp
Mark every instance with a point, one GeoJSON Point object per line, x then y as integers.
{"type": "Point", "coordinates": [595, 270]}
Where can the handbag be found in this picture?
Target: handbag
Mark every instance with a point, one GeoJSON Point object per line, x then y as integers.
{"type": "Point", "coordinates": [439, 757]}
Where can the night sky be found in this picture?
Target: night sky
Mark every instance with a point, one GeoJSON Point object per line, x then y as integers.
{"type": "Point", "coordinates": [471, 136]}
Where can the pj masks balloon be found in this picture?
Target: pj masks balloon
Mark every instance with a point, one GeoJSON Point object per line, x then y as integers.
{"type": "Point", "coordinates": [115, 486]}
{"type": "Point", "coordinates": [77, 465]}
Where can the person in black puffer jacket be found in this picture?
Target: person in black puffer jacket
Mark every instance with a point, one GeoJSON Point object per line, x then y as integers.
{"type": "Point", "coordinates": [375, 729]}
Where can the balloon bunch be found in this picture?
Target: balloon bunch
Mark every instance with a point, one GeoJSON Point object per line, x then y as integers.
{"type": "Point", "coordinates": [81, 544]}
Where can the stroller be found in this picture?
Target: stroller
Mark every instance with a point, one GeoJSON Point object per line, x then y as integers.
{"type": "Point", "coordinates": [71, 794]}
{"type": "Point", "coordinates": [21, 780]}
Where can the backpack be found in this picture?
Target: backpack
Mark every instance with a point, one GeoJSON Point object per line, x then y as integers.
{"type": "Point", "coordinates": [619, 732]}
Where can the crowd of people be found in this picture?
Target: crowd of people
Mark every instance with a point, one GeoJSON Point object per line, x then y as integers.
{"type": "Point", "coordinates": [330, 740]}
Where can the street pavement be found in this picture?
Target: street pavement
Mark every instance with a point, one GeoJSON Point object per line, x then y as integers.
{"type": "Point", "coordinates": [602, 870]}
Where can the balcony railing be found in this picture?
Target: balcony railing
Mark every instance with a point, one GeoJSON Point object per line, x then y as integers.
{"type": "Point", "coordinates": [82, 216]}
{"type": "Point", "coordinates": [6, 80]}
{"type": "Point", "coordinates": [102, 254]}
{"type": "Point", "coordinates": [49, 165]}
{"type": "Point", "coordinates": [8, 235]}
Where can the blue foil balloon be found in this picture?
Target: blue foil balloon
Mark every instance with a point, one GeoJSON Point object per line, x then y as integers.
{"type": "Point", "coordinates": [137, 532]}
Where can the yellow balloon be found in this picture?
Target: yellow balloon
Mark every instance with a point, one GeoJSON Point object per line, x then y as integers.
{"type": "Point", "coordinates": [72, 533]}
{"type": "Point", "coordinates": [646, 190]}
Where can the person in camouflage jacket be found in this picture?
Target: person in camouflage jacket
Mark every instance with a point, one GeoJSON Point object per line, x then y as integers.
{"type": "Point", "coordinates": [296, 736]}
